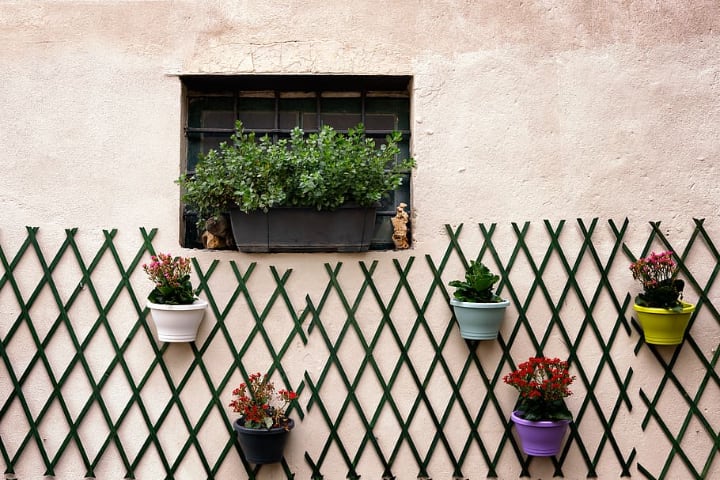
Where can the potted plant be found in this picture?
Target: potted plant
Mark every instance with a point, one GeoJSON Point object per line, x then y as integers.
{"type": "Point", "coordinates": [176, 310]}
{"type": "Point", "coordinates": [478, 310]}
{"type": "Point", "coordinates": [662, 314]}
{"type": "Point", "coordinates": [541, 417]}
{"type": "Point", "coordinates": [263, 427]}
{"type": "Point", "coordinates": [302, 193]}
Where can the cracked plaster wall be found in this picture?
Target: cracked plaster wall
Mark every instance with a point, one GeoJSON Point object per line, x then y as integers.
{"type": "Point", "coordinates": [605, 109]}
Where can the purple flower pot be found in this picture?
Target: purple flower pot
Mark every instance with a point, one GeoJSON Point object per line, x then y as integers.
{"type": "Point", "coordinates": [540, 439]}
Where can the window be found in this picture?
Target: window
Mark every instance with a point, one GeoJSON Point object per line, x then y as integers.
{"type": "Point", "coordinates": [275, 104]}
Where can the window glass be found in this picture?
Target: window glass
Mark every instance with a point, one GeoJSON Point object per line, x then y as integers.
{"type": "Point", "coordinates": [380, 121]}
{"type": "Point", "coordinates": [256, 113]}
{"type": "Point", "coordinates": [202, 142]}
{"type": "Point", "coordinates": [211, 112]}
{"type": "Point", "coordinates": [382, 107]}
{"type": "Point", "coordinates": [341, 113]}
{"type": "Point", "coordinates": [298, 112]}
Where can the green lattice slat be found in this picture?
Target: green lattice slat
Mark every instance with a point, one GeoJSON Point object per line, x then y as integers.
{"type": "Point", "coordinates": [3, 450]}
{"type": "Point", "coordinates": [350, 385]}
{"type": "Point", "coordinates": [555, 249]}
{"type": "Point", "coordinates": [693, 411]}
{"type": "Point", "coordinates": [537, 285]}
{"type": "Point", "coordinates": [118, 359]}
{"type": "Point", "coordinates": [386, 322]}
{"type": "Point", "coordinates": [491, 382]}
{"type": "Point", "coordinates": [438, 360]}
{"type": "Point", "coordinates": [334, 360]}
{"type": "Point", "coordinates": [606, 359]}
{"type": "Point", "coordinates": [63, 319]}
{"type": "Point", "coordinates": [259, 329]}
{"type": "Point", "coordinates": [471, 361]}
{"type": "Point", "coordinates": [421, 322]}
{"type": "Point", "coordinates": [242, 350]}
{"type": "Point", "coordinates": [404, 360]}
{"type": "Point", "coordinates": [102, 322]}
{"type": "Point", "coordinates": [521, 247]}
{"type": "Point", "coordinates": [221, 390]}
{"type": "Point", "coordinates": [219, 328]}
{"type": "Point", "coordinates": [17, 392]}
{"type": "Point", "coordinates": [176, 390]}
{"type": "Point", "coordinates": [668, 367]}
{"type": "Point", "coordinates": [97, 388]}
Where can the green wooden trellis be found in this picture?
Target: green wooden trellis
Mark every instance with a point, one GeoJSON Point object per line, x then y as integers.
{"type": "Point", "coordinates": [670, 367]}
{"type": "Point", "coordinates": [310, 320]}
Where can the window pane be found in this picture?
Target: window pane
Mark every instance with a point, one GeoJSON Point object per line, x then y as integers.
{"type": "Point", "coordinates": [380, 121]}
{"type": "Point", "coordinates": [202, 143]}
{"type": "Point", "coordinates": [254, 120]}
{"type": "Point", "coordinates": [382, 238]}
{"type": "Point", "coordinates": [298, 112]}
{"type": "Point", "coordinates": [257, 113]}
{"type": "Point", "coordinates": [218, 119]}
{"type": "Point", "coordinates": [399, 108]}
{"type": "Point", "coordinates": [211, 112]}
{"type": "Point", "coordinates": [341, 121]}
{"type": "Point", "coordinates": [288, 120]}
{"type": "Point", "coordinates": [309, 121]}
{"type": "Point", "coordinates": [341, 113]}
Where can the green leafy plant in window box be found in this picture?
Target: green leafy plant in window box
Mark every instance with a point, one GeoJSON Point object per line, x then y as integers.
{"type": "Point", "coordinates": [256, 179]}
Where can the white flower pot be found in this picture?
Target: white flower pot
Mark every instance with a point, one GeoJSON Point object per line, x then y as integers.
{"type": "Point", "coordinates": [177, 323]}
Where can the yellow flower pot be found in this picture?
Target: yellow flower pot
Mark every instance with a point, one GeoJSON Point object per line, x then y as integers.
{"type": "Point", "coordinates": [662, 326]}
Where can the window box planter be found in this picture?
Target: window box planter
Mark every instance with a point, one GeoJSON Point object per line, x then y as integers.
{"type": "Point", "coordinates": [347, 229]}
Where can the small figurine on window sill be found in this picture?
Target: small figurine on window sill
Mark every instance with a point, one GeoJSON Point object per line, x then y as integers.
{"type": "Point", "coordinates": [218, 234]}
{"type": "Point", "coordinates": [400, 228]}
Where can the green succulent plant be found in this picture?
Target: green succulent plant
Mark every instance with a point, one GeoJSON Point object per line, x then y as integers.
{"type": "Point", "coordinates": [478, 285]}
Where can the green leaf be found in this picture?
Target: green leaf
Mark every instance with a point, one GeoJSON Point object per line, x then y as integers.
{"type": "Point", "coordinates": [322, 170]}
{"type": "Point", "coordinates": [478, 285]}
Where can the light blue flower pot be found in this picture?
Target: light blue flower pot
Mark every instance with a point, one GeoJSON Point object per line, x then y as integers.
{"type": "Point", "coordinates": [479, 321]}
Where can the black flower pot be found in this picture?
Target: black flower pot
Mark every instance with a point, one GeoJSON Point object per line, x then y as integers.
{"type": "Point", "coordinates": [262, 446]}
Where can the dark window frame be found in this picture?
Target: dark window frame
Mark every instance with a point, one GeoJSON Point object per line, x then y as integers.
{"type": "Point", "coordinates": [368, 90]}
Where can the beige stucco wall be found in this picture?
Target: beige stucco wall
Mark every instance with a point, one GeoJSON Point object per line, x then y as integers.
{"type": "Point", "coordinates": [522, 111]}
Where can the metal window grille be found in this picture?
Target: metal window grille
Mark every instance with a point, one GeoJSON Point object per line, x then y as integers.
{"type": "Point", "coordinates": [274, 105]}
